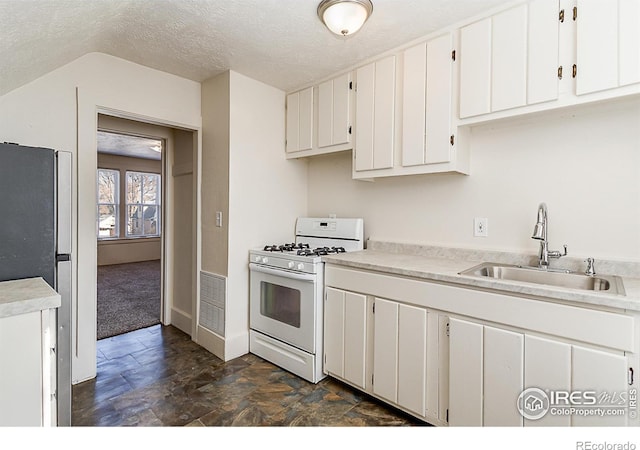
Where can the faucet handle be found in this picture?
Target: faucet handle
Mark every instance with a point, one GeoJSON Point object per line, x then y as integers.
{"type": "Point", "coordinates": [565, 250]}
{"type": "Point", "coordinates": [591, 270]}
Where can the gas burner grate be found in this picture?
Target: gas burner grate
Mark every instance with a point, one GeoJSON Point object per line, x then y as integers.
{"type": "Point", "coordinates": [285, 247]}
{"type": "Point", "coordinates": [321, 251]}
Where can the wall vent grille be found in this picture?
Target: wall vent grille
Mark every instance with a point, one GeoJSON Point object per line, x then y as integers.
{"type": "Point", "coordinates": [213, 294]}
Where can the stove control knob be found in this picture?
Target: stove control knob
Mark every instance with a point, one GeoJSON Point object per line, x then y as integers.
{"type": "Point", "coordinates": [258, 258]}
{"type": "Point", "coordinates": [300, 266]}
{"type": "Point", "coordinates": [291, 264]}
{"type": "Point", "coordinates": [265, 260]}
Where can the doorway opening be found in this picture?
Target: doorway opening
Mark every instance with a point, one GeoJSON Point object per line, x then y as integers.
{"type": "Point", "coordinates": [145, 226]}
{"type": "Point", "coordinates": [129, 231]}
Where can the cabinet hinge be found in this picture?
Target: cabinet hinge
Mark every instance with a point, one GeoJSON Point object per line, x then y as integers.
{"type": "Point", "coordinates": [559, 72]}
{"type": "Point", "coordinates": [561, 16]}
{"type": "Point", "coordinates": [374, 308]}
{"type": "Point", "coordinates": [349, 129]}
{"type": "Point", "coordinates": [453, 55]}
{"type": "Point", "coordinates": [447, 329]}
{"type": "Point", "coordinates": [350, 85]}
{"type": "Point", "coordinates": [447, 419]}
{"type": "Point", "coordinates": [574, 71]}
{"type": "Point", "coordinates": [575, 13]}
{"type": "Point", "coordinates": [325, 359]}
{"type": "Point", "coordinates": [371, 379]}
{"type": "Point", "coordinates": [452, 139]}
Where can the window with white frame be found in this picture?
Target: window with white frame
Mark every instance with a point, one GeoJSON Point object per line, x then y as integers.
{"type": "Point", "coordinates": [142, 204]}
{"type": "Point", "coordinates": [108, 217]}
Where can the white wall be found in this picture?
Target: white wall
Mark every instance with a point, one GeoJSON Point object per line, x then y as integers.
{"type": "Point", "coordinates": [59, 110]}
{"type": "Point", "coordinates": [261, 195]}
{"type": "Point", "coordinates": [584, 163]}
{"type": "Point", "coordinates": [266, 192]}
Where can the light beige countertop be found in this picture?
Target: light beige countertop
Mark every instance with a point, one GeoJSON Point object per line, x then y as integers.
{"type": "Point", "coordinates": [25, 296]}
{"type": "Point", "coordinates": [441, 264]}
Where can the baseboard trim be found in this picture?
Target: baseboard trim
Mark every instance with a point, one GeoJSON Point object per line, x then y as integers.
{"type": "Point", "coordinates": [181, 320]}
{"type": "Point", "coordinates": [211, 341]}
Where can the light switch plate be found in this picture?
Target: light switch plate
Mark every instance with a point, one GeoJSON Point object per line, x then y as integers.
{"type": "Point", "coordinates": [218, 218]}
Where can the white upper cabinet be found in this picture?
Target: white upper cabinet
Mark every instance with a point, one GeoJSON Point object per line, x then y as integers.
{"type": "Point", "coordinates": [475, 69]}
{"type": "Point", "coordinates": [426, 102]}
{"type": "Point", "coordinates": [300, 120]}
{"type": "Point", "coordinates": [608, 44]}
{"type": "Point", "coordinates": [542, 51]}
{"type": "Point", "coordinates": [510, 59]}
{"type": "Point", "coordinates": [375, 114]}
{"type": "Point", "coordinates": [334, 126]}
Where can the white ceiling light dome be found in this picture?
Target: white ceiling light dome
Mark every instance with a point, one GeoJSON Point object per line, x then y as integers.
{"type": "Point", "coordinates": [344, 17]}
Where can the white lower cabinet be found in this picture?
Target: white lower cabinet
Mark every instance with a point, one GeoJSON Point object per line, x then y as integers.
{"type": "Point", "coordinates": [400, 354]}
{"type": "Point", "coordinates": [490, 367]}
{"type": "Point", "coordinates": [452, 355]}
{"type": "Point", "coordinates": [345, 337]}
{"type": "Point", "coordinates": [386, 348]}
{"type": "Point", "coordinates": [28, 369]}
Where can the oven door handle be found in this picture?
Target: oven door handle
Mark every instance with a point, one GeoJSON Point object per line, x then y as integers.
{"type": "Point", "coordinates": [283, 273]}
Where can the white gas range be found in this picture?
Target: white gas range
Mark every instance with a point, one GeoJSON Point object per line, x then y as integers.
{"type": "Point", "coordinates": [287, 292]}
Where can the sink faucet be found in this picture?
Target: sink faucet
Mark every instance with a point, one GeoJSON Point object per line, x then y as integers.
{"type": "Point", "coordinates": [540, 232]}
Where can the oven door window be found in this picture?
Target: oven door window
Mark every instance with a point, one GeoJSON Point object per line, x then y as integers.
{"type": "Point", "coordinates": [280, 303]}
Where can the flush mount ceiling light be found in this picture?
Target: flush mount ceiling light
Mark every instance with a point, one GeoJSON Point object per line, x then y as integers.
{"type": "Point", "coordinates": [344, 17]}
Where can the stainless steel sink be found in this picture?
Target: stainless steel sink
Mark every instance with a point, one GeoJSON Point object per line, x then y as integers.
{"type": "Point", "coordinates": [610, 284]}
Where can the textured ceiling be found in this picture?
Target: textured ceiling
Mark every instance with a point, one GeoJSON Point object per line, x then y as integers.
{"type": "Point", "coordinates": [279, 42]}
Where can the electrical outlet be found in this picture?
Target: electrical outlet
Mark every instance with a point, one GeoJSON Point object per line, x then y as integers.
{"type": "Point", "coordinates": [481, 227]}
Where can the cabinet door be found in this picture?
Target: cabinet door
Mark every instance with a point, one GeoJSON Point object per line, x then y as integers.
{"type": "Point", "coordinates": [325, 114]}
{"type": "Point", "coordinates": [355, 338]}
{"type": "Point", "coordinates": [604, 373]}
{"type": "Point", "coordinates": [375, 112]}
{"type": "Point", "coordinates": [465, 373]}
{"type": "Point", "coordinates": [475, 69]}
{"type": "Point", "coordinates": [341, 133]}
{"type": "Point", "coordinates": [300, 120]}
{"type": "Point", "coordinates": [305, 134]}
{"type": "Point", "coordinates": [509, 59]}
{"type": "Point", "coordinates": [412, 358]}
{"type": "Point", "coordinates": [629, 41]}
{"type": "Point", "coordinates": [543, 51]}
{"type": "Point", "coordinates": [21, 375]}
{"type": "Point", "coordinates": [385, 349]}
{"type": "Point", "coordinates": [438, 104]}
{"type": "Point", "coordinates": [345, 325]}
{"type": "Point", "coordinates": [414, 95]}
{"type": "Point", "coordinates": [442, 369]}
{"type": "Point", "coordinates": [426, 103]}
{"type": "Point", "coordinates": [597, 46]}
{"type": "Point", "coordinates": [334, 332]}
{"type": "Point", "coordinates": [503, 377]}
{"type": "Point", "coordinates": [547, 366]}
{"type": "Point", "coordinates": [333, 111]}
{"type": "Point", "coordinates": [293, 122]}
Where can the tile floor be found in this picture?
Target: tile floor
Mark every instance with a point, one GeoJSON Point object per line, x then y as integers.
{"type": "Point", "coordinates": [158, 377]}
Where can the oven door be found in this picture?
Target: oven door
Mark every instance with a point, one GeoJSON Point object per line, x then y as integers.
{"type": "Point", "coordinates": [282, 305]}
